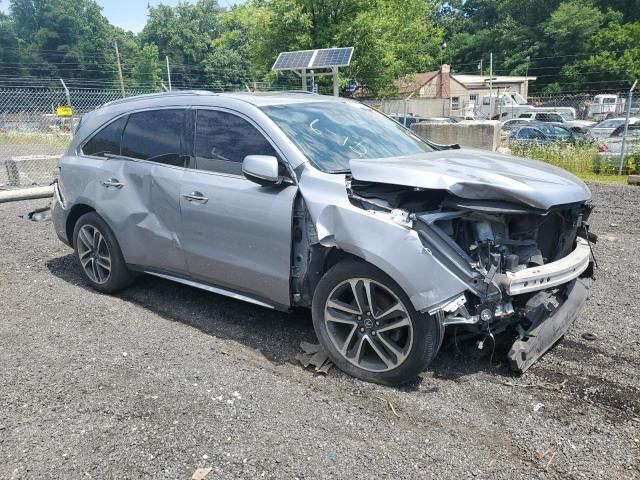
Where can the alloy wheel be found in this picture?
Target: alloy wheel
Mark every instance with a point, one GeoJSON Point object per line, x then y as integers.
{"type": "Point", "coordinates": [368, 324]}
{"type": "Point", "coordinates": [94, 254]}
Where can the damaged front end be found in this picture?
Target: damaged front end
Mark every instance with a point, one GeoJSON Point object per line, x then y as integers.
{"type": "Point", "coordinates": [527, 270]}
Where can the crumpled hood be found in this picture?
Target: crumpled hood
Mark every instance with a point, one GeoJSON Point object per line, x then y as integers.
{"type": "Point", "coordinates": [477, 175]}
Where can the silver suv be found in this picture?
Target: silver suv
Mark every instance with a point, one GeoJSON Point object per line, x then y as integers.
{"type": "Point", "coordinates": [302, 200]}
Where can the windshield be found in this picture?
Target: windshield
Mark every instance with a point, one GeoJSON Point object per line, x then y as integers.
{"type": "Point", "coordinates": [332, 133]}
{"type": "Point", "coordinates": [519, 99]}
{"type": "Point", "coordinates": [609, 124]}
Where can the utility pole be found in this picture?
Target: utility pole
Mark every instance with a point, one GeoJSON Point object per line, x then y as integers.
{"type": "Point", "coordinates": [526, 80]}
{"type": "Point", "coordinates": [491, 85]}
{"type": "Point", "coordinates": [626, 126]}
{"type": "Point", "coordinates": [480, 67]}
{"type": "Point", "coordinates": [168, 71]}
{"type": "Point", "coordinates": [115, 42]}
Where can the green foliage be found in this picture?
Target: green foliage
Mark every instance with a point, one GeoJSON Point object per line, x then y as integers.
{"type": "Point", "coordinates": [67, 38]}
{"type": "Point", "coordinates": [578, 45]}
{"type": "Point", "coordinates": [573, 45]}
{"type": "Point", "coordinates": [146, 72]}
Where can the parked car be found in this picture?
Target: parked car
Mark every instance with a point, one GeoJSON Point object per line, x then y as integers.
{"type": "Point", "coordinates": [509, 126]}
{"type": "Point", "coordinates": [606, 127]}
{"type": "Point", "coordinates": [529, 135]}
{"type": "Point", "coordinates": [566, 118]}
{"type": "Point", "coordinates": [299, 200]}
{"type": "Point", "coordinates": [609, 150]}
{"type": "Point", "coordinates": [555, 131]}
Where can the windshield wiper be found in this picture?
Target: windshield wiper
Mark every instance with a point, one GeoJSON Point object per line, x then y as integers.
{"type": "Point", "coordinates": [341, 170]}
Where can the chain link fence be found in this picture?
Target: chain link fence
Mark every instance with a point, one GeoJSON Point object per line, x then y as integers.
{"type": "Point", "coordinates": [585, 150]}
{"type": "Point", "coordinates": [33, 135]}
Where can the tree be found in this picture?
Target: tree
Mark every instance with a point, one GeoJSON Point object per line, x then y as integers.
{"type": "Point", "coordinates": [185, 34]}
{"type": "Point", "coordinates": [146, 72]}
{"type": "Point", "coordinates": [616, 63]}
{"type": "Point", "coordinates": [71, 38]}
{"type": "Point", "coordinates": [391, 37]}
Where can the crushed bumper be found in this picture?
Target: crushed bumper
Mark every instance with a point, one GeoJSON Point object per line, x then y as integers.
{"type": "Point", "coordinates": [59, 215]}
{"type": "Point", "coordinates": [550, 275]}
{"type": "Point", "coordinates": [550, 321]}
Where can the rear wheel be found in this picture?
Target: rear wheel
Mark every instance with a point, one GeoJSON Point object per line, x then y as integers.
{"type": "Point", "coordinates": [99, 256]}
{"type": "Point", "coordinates": [368, 326]}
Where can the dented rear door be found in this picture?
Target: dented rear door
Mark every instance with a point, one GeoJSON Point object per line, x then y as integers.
{"type": "Point", "coordinates": [138, 192]}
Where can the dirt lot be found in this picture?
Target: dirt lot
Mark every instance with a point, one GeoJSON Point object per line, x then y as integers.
{"type": "Point", "coordinates": [164, 379]}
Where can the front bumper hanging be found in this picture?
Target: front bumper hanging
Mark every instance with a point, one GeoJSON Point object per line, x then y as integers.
{"type": "Point", "coordinates": [550, 321]}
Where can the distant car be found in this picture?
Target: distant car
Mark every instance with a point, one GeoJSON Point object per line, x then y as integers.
{"type": "Point", "coordinates": [529, 136]}
{"type": "Point", "coordinates": [555, 131]}
{"type": "Point", "coordinates": [439, 120]}
{"type": "Point", "coordinates": [514, 124]}
{"type": "Point", "coordinates": [606, 127]}
{"type": "Point", "coordinates": [609, 149]}
{"type": "Point", "coordinates": [406, 120]}
{"type": "Point", "coordinates": [556, 117]}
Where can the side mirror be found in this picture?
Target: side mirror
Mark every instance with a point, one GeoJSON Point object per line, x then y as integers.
{"type": "Point", "coordinates": [261, 169]}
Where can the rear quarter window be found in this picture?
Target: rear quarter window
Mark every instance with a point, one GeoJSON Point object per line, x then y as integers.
{"type": "Point", "coordinates": [107, 140]}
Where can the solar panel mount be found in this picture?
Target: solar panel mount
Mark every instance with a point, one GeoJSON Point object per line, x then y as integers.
{"type": "Point", "coordinates": [310, 59]}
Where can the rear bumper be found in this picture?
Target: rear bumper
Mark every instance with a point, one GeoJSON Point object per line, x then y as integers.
{"type": "Point", "coordinates": [550, 275]}
{"type": "Point", "coordinates": [59, 215]}
{"type": "Point", "coordinates": [549, 325]}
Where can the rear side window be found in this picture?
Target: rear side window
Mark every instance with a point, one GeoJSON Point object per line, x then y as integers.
{"type": "Point", "coordinates": [107, 140]}
{"type": "Point", "coordinates": [155, 135]}
{"type": "Point", "coordinates": [223, 140]}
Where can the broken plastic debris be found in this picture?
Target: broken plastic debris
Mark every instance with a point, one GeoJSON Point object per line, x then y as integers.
{"type": "Point", "coordinates": [39, 214]}
{"type": "Point", "coordinates": [314, 355]}
{"type": "Point", "coordinates": [200, 473]}
{"type": "Point", "coordinates": [538, 406]}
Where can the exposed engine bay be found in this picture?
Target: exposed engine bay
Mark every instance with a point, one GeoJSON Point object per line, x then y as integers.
{"type": "Point", "coordinates": [528, 270]}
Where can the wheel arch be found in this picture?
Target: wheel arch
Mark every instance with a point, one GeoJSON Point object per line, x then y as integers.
{"type": "Point", "coordinates": [74, 214]}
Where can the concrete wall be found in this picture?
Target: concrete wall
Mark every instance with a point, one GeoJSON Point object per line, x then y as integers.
{"type": "Point", "coordinates": [426, 108]}
{"type": "Point", "coordinates": [477, 134]}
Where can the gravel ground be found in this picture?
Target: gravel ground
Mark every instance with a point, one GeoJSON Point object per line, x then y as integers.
{"type": "Point", "coordinates": [164, 379]}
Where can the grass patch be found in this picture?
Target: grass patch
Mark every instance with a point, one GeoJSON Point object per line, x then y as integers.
{"type": "Point", "coordinates": [580, 159]}
{"type": "Point", "coordinates": [48, 139]}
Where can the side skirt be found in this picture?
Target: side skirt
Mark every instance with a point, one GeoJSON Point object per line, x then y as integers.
{"type": "Point", "coordinates": [212, 289]}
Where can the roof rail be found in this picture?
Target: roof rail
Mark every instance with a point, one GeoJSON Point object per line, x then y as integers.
{"type": "Point", "coordinates": [295, 91]}
{"type": "Point", "coordinates": [175, 93]}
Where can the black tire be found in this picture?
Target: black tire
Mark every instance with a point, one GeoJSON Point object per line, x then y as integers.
{"type": "Point", "coordinates": [119, 276]}
{"type": "Point", "coordinates": [426, 333]}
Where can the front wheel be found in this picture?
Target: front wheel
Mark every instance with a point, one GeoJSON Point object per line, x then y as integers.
{"type": "Point", "coordinates": [368, 326]}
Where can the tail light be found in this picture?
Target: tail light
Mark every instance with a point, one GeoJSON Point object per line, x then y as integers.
{"type": "Point", "coordinates": [602, 148]}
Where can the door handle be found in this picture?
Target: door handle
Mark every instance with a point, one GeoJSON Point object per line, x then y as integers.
{"type": "Point", "coordinates": [195, 197]}
{"type": "Point", "coordinates": [112, 182]}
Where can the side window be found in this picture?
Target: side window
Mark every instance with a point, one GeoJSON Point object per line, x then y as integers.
{"type": "Point", "coordinates": [107, 140]}
{"type": "Point", "coordinates": [223, 140]}
{"type": "Point", "coordinates": [537, 134]}
{"type": "Point", "coordinates": [155, 135]}
{"type": "Point", "coordinates": [524, 133]}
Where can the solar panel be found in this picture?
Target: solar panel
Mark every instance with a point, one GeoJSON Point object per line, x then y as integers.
{"type": "Point", "coordinates": [293, 60]}
{"type": "Point", "coordinates": [332, 57]}
{"type": "Point", "coordinates": [307, 59]}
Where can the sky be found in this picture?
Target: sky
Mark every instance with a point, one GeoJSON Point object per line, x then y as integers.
{"type": "Point", "coordinates": [129, 14]}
